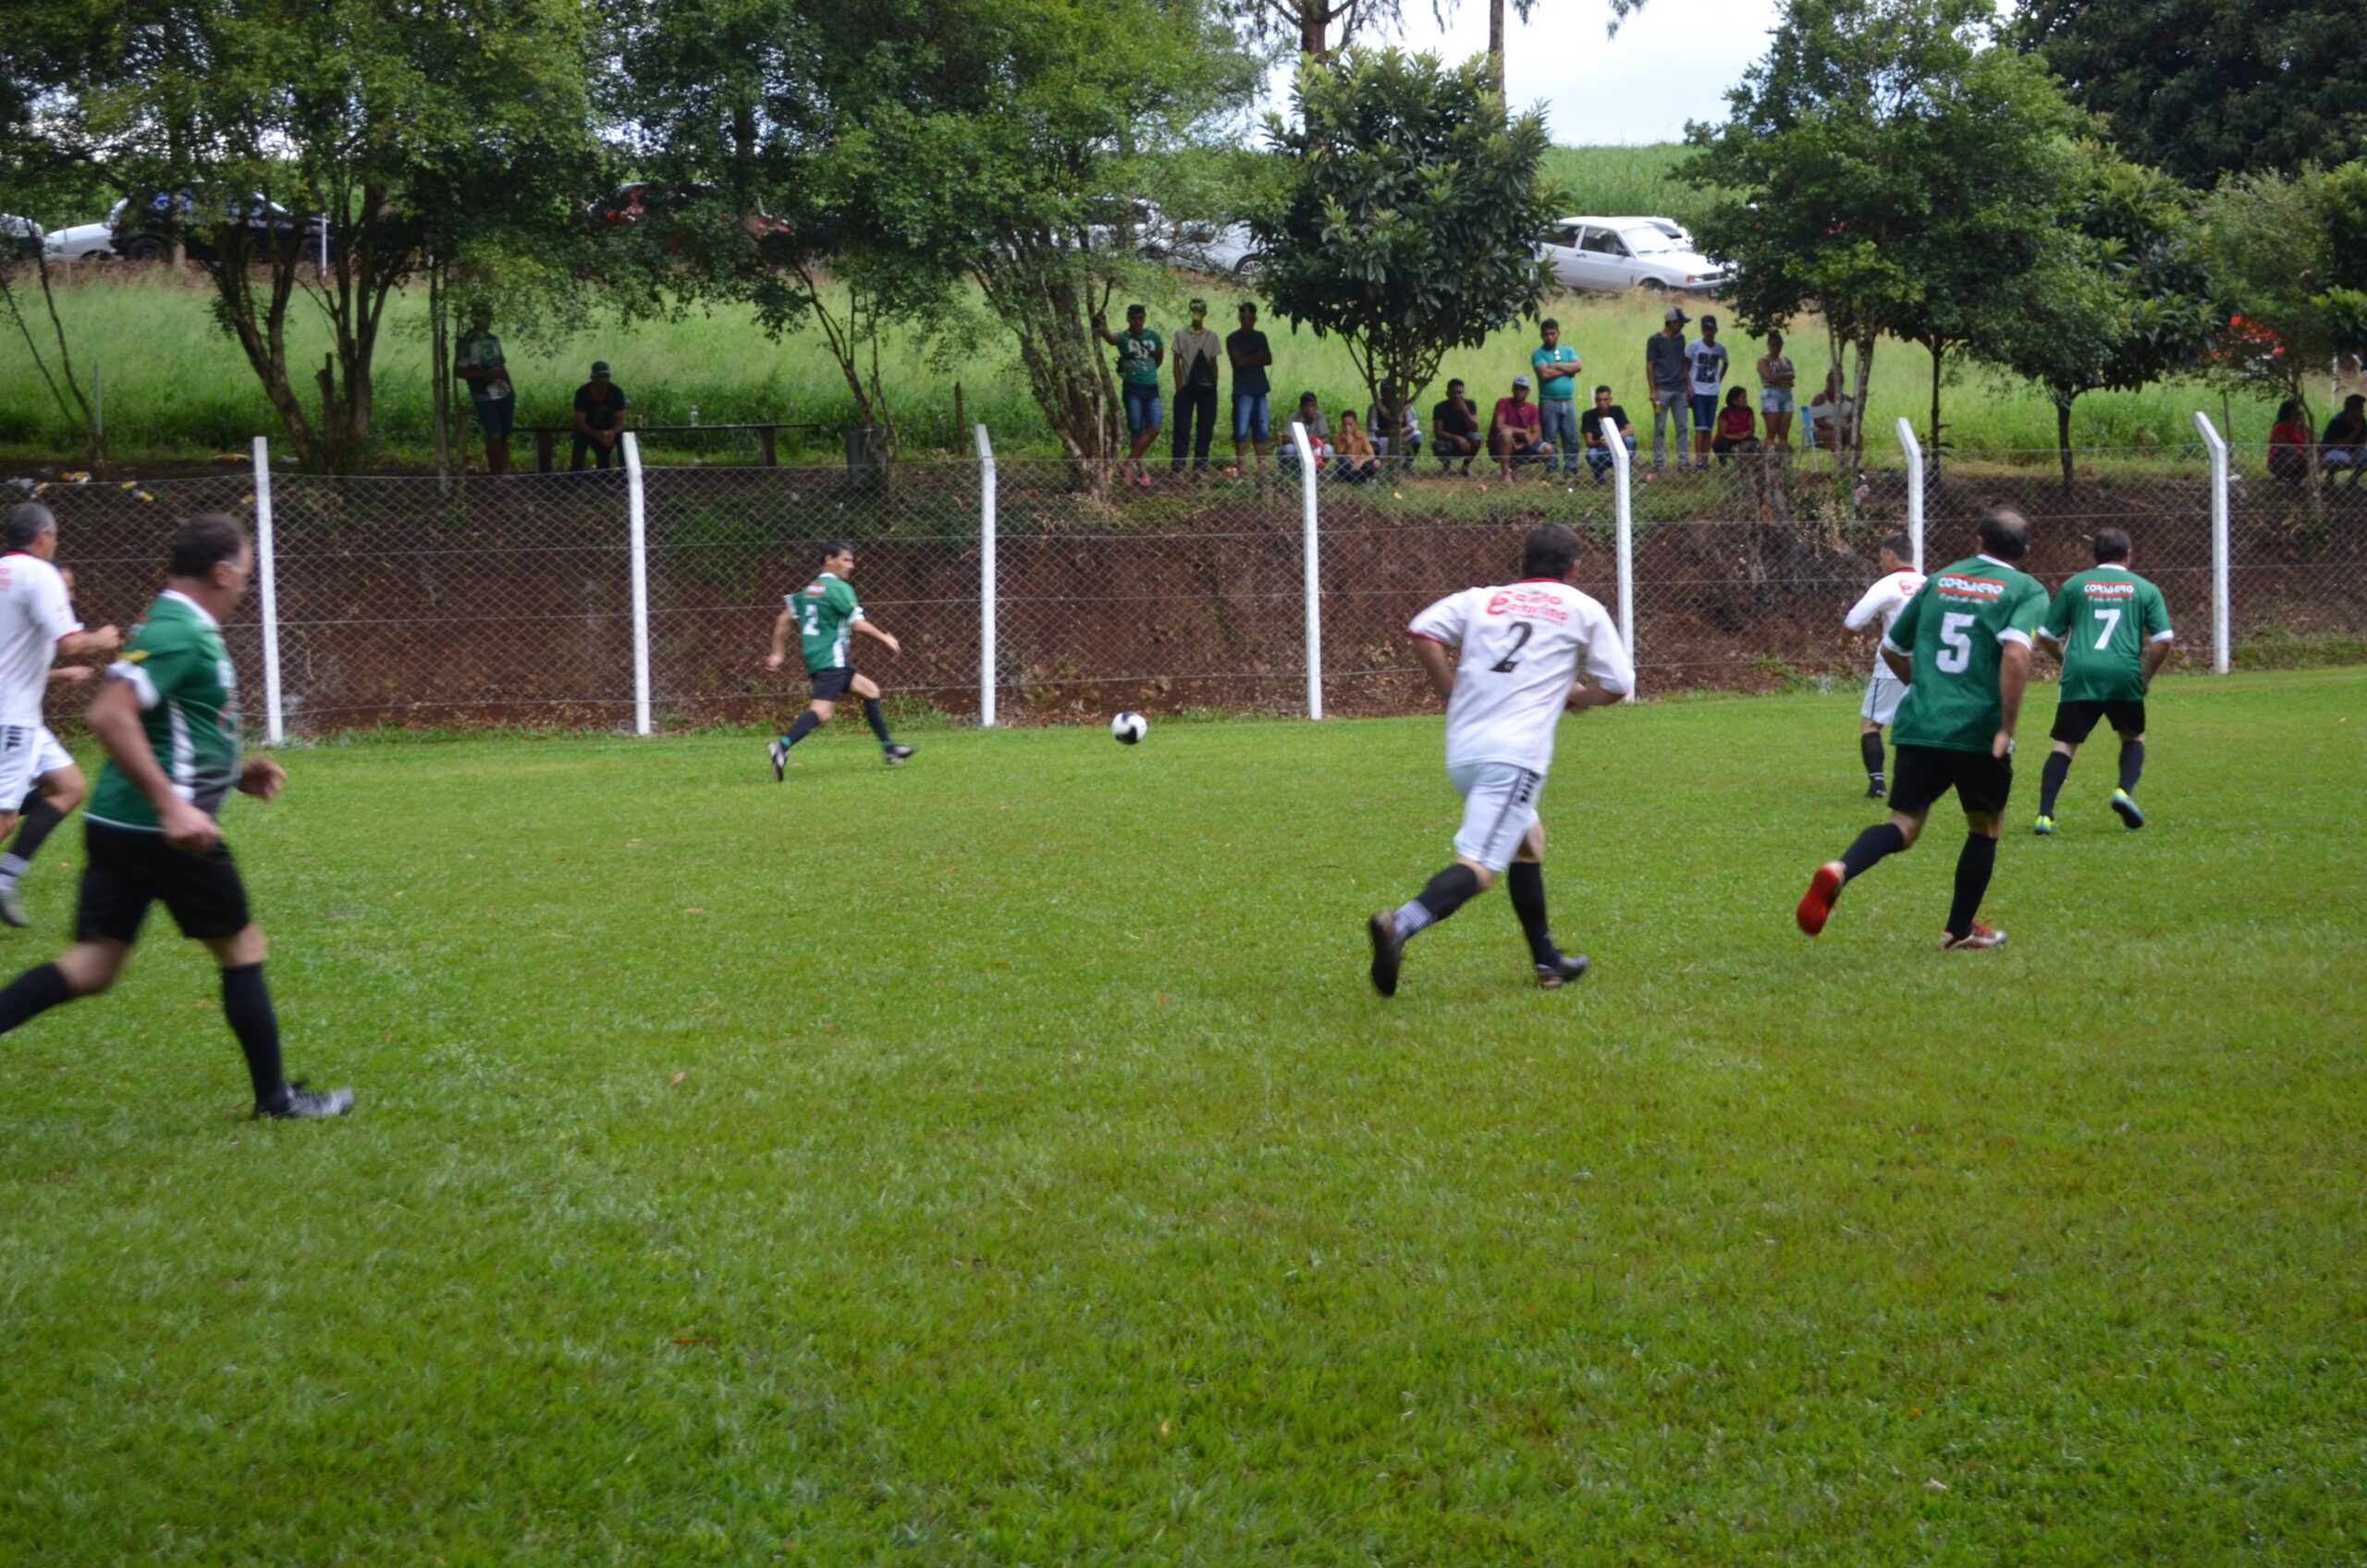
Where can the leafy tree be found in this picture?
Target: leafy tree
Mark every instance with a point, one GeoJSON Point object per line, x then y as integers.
{"type": "Point", "coordinates": [1412, 219]}
{"type": "Point", "coordinates": [1888, 165]}
{"type": "Point", "coordinates": [2202, 87]}
{"type": "Point", "coordinates": [395, 122]}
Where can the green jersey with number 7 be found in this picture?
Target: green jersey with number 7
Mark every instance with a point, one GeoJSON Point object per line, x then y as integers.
{"type": "Point", "coordinates": [1954, 629]}
{"type": "Point", "coordinates": [2103, 618]}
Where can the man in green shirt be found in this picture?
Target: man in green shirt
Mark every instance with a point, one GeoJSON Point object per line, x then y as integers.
{"type": "Point", "coordinates": [2113, 631]}
{"type": "Point", "coordinates": [1140, 354]}
{"type": "Point", "coordinates": [168, 717]}
{"type": "Point", "coordinates": [1963, 646]}
{"type": "Point", "coordinates": [824, 612]}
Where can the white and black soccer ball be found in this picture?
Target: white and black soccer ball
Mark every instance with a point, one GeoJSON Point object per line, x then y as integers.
{"type": "Point", "coordinates": [1129, 728]}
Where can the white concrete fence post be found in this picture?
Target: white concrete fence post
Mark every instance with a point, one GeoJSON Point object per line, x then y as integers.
{"type": "Point", "coordinates": [1309, 476]}
{"type": "Point", "coordinates": [1622, 511]}
{"type": "Point", "coordinates": [1914, 450]}
{"type": "Point", "coordinates": [275, 727]}
{"type": "Point", "coordinates": [985, 577]}
{"type": "Point", "coordinates": [2221, 626]}
{"type": "Point", "coordinates": [637, 520]}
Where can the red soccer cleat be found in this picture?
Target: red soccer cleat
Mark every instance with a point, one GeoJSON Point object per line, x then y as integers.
{"type": "Point", "coordinates": [1816, 904]}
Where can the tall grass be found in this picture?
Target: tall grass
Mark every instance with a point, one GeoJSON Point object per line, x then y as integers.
{"type": "Point", "coordinates": [1615, 181]}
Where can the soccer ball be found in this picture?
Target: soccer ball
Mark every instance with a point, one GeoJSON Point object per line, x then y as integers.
{"type": "Point", "coordinates": [1129, 728]}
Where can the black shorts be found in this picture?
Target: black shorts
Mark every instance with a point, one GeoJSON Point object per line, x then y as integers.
{"type": "Point", "coordinates": [2074, 722]}
{"type": "Point", "coordinates": [125, 870]}
{"type": "Point", "coordinates": [831, 684]}
{"type": "Point", "coordinates": [1920, 775]}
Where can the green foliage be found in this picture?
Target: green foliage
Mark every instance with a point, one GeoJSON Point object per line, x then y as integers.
{"type": "Point", "coordinates": [2206, 87]}
{"type": "Point", "coordinates": [1412, 224]}
{"type": "Point", "coordinates": [2289, 257]}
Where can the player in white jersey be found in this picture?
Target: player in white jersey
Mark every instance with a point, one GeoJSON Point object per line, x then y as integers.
{"type": "Point", "coordinates": [1899, 582]}
{"type": "Point", "coordinates": [1521, 648]}
{"type": "Point", "coordinates": [38, 780]}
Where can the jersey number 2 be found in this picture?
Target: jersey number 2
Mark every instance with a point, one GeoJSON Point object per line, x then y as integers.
{"type": "Point", "coordinates": [1958, 651]}
{"type": "Point", "coordinates": [812, 622]}
{"type": "Point", "coordinates": [1522, 633]}
{"type": "Point", "coordinates": [2109, 617]}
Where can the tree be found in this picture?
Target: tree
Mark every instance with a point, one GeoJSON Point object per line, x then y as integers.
{"type": "Point", "coordinates": [1412, 219]}
{"type": "Point", "coordinates": [1888, 165]}
{"type": "Point", "coordinates": [2205, 87]}
{"type": "Point", "coordinates": [2133, 307]}
{"type": "Point", "coordinates": [389, 121]}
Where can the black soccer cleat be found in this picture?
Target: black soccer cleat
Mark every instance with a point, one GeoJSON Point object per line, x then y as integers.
{"type": "Point", "coordinates": [779, 754]}
{"type": "Point", "coordinates": [892, 755]}
{"type": "Point", "coordinates": [1874, 788]}
{"type": "Point", "coordinates": [303, 1102]}
{"type": "Point", "coordinates": [2126, 806]}
{"type": "Point", "coordinates": [1388, 951]}
{"type": "Point", "coordinates": [1565, 968]}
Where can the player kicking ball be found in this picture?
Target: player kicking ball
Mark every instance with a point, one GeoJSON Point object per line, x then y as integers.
{"type": "Point", "coordinates": [1880, 606]}
{"type": "Point", "coordinates": [1521, 648]}
{"type": "Point", "coordinates": [2112, 629]}
{"type": "Point", "coordinates": [168, 717]}
{"type": "Point", "coordinates": [1963, 646]}
{"type": "Point", "coordinates": [824, 612]}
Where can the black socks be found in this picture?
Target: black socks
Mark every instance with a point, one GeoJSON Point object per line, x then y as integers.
{"type": "Point", "coordinates": [40, 819]}
{"type": "Point", "coordinates": [1883, 838]}
{"type": "Point", "coordinates": [1974, 863]}
{"type": "Point", "coordinates": [246, 1003]}
{"type": "Point", "coordinates": [2132, 763]}
{"type": "Point", "coordinates": [2050, 781]}
{"type": "Point", "coordinates": [1870, 751]}
{"type": "Point", "coordinates": [32, 994]}
{"type": "Point", "coordinates": [1526, 882]}
{"type": "Point", "coordinates": [877, 720]}
{"type": "Point", "coordinates": [1440, 897]}
{"type": "Point", "coordinates": [806, 724]}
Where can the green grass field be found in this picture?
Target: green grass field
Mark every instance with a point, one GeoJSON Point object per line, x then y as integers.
{"type": "Point", "coordinates": [1002, 1160]}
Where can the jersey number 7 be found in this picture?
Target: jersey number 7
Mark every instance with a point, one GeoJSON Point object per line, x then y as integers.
{"type": "Point", "coordinates": [2109, 615]}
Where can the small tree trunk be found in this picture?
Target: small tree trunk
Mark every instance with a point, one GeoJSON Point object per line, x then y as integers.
{"type": "Point", "coordinates": [1496, 44]}
{"type": "Point", "coordinates": [1865, 374]}
{"type": "Point", "coordinates": [1939, 352]}
{"type": "Point", "coordinates": [2063, 437]}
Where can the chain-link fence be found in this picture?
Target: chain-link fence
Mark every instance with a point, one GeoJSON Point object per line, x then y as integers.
{"type": "Point", "coordinates": [474, 602]}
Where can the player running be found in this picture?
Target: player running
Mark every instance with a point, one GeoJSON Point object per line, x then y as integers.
{"type": "Point", "coordinates": [1522, 648]}
{"type": "Point", "coordinates": [171, 703]}
{"type": "Point", "coordinates": [38, 780]}
{"type": "Point", "coordinates": [1963, 646]}
{"type": "Point", "coordinates": [1882, 603]}
{"type": "Point", "coordinates": [824, 611]}
{"type": "Point", "coordinates": [2112, 629]}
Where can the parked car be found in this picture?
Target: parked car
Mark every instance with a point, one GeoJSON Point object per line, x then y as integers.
{"type": "Point", "coordinates": [19, 237]}
{"type": "Point", "coordinates": [83, 241]}
{"type": "Point", "coordinates": [1609, 254]}
{"type": "Point", "coordinates": [1218, 250]}
{"type": "Point", "coordinates": [144, 231]}
{"type": "Point", "coordinates": [661, 206]}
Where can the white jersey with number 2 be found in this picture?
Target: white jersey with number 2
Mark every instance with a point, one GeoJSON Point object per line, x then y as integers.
{"type": "Point", "coordinates": [35, 613]}
{"type": "Point", "coordinates": [1522, 645]}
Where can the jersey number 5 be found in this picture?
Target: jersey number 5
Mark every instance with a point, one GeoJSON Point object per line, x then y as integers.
{"type": "Point", "coordinates": [1522, 633]}
{"type": "Point", "coordinates": [2108, 616]}
{"type": "Point", "coordinates": [1957, 654]}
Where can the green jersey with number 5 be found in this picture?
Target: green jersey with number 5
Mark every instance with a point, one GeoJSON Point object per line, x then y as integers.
{"type": "Point", "coordinates": [1956, 629]}
{"type": "Point", "coordinates": [2104, 619]}
{"type": "Point", "coordinates": [824, 608]}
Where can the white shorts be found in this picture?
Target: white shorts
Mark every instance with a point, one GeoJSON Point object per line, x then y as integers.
{"type": "Point", "coordinates": [1498, 808]}
{"type": "Point", "coordinates": [1883, 694]}
{"type": "Point", "coordinates": [27, 751]}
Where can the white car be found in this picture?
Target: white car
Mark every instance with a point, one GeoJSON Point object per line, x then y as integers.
{"type": "Point", "coordinates": [1220, 250]}
{"type": "Point", "coordinates": [1612, 254]}
{"type": "Point", "coordinates": [84, 241]}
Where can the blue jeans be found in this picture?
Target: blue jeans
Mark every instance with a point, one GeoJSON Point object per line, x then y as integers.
{"type": "Point", "coordinates": [1249, 417]}
{"type": "Point", "coordinates": [1705, 411]}
{"type": "Point", "coordinates": [1142, 408]}
{"type": "Point", "coordinates": [1558, 419]}
{"type": "Point", "coordinates": [1598, 459]}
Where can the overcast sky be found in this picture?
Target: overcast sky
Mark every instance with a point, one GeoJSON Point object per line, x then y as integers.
{"type": "Point", "coordinates": [1672, 64]}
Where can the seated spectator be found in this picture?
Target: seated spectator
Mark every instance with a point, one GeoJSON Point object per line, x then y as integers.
{"type": "Point", "coordinates": [1833, 418]}
{"type": "Point", "coordinates": [2345, 443]}
{"type": "Point", "coordinates": [1599, 427]}
{"type": "Point", "coordinates": [1406, 441]}
{"type": "Point", "coordinates": [1515, 432]}
{"type": "Point", "coordinates": [1454, 428]}
{"type": "Point", "coordinates": [1319, 431]}
{"type": "Point", "coordinates": [2288, 444]}
{"type": "Point", "coordinates": [1735, 424]}
{"type": "Point", "coordinates": [1357, 461]}
{"type": "Point", "coordinates": [599, 418]}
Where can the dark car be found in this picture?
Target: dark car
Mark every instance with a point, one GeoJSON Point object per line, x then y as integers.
{"type": "Point", "coordinates": [660, 208]}
{"type": "Point", "coordinates": [145, 230]}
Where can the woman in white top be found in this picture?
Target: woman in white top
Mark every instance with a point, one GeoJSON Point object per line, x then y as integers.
{"type": "Point", "coordinates": [1776, 377]}
{"type": "Point", "coordinates": [1833, 418]}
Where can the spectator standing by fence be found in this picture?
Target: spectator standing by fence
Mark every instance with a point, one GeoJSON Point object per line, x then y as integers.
{"type": "Point", "coordinates": [599, 418]}
{"type": "Point", "coordinates": [1141, 351]}
{"type": "Point", "coordinates": [1454, 428]}
{"type": "Point", "coordinates": [1666, 374]}
{"type": "Point", "coordinates": [477, 359]}
{"type": "Point", "coordinates": [1599, 427]}
{"type": "Point", "coordinates": [1776, 375]}
{"type": "Point", "coordinates": [2345, 443]}
{"type": "Point", "coordinates": [1707, 359]}
{"type": "Point", "coordinates": [1556, 366]}
{"type": "Point", "coordinates": [1252, 388]}
{"type": "Point", "coordinates": [1197, 353]}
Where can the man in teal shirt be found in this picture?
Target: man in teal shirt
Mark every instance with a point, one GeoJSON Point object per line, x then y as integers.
{"type": "Point", "coordinates": [1140, 354]}
{"type": "Point", "coordinates": [1557, 367]}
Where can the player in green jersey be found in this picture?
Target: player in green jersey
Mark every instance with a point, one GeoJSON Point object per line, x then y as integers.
{"type": "Point", "coordinates": [2113, 630]}
{"type": "Point", "coordinates": [1963, 646]}
{"type": "Point", "coordinates": [168, 717]}
{"type": "Point", "coordinates": [824, 612]}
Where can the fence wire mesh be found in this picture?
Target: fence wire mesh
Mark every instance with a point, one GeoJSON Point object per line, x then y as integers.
{"type": "Point", "coordinates": [474, 602]}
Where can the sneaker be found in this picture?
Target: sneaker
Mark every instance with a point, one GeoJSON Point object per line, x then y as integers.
{"type": "Point", "coordinates": [1816, 905]}
{"type": "Point", "coordinates": [2043, 827]}
{"type": "Point", "coordinates": [1978, 936]}
{"type": "Point", "coordinates": [779, 753]}
{"type": "Point", "coordinates": [1388, 951]}
{"type": "Point", "coordinates": [2121, 803]}
{"type": "Point", "coordinates": [12, 906]}
{"type": "Point", "coordinates": [894, 754]}
{"type": "Point", "coordinates": [1875, 790]}
{"type": "Point", "coordinates": [1565, 968]}
{"type": "Point", "coordinates": [303, 1102]}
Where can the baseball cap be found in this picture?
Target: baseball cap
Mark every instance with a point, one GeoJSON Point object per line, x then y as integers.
{"type": "Point", "coordinates": [599, 367]}
{"type": "Point", "coordinates": [1709, 321]}
{"type": "Point", "coordinates": [1675, 314]}
{"type": "Point", "coordinates": [1520, 380]}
